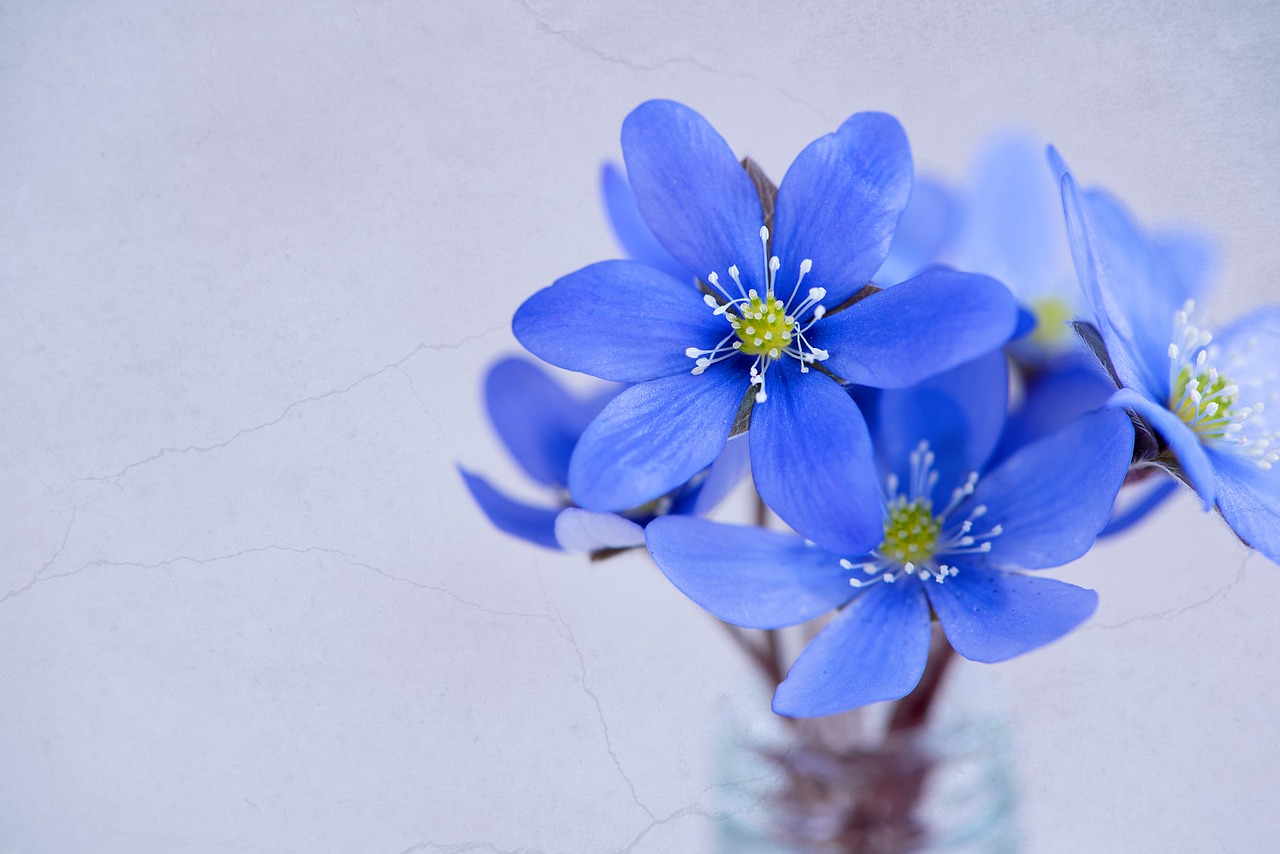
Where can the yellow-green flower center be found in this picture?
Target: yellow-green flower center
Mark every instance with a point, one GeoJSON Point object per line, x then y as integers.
{"type": "Point", "coordinates": [1204, 400]}
{"type": "Point", "coordinates": [911, 531]}
{"type": "Point", "coordinates": [1052, 315]}
{"type": "Point", "coordinates": [763, 326]}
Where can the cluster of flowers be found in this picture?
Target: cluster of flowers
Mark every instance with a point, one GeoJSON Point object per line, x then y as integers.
{"type": "Point", "coordinates": [928, 434]}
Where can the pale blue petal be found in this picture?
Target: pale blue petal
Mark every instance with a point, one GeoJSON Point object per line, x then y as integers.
{"type": "Point", "coordinates": [1015, 230]}
{"type": "Point", "coordinates": [629, 227]}
{"type": "Point", "coordinates": [1053, 496]}
{"type": "Point", "coordinates": [1194, 255]}
{"type": "Point", "coordinates": [1150, 498]}
{"type": "Point", "coordinates": [693, 193]}
{"type": "Point", "coordinates": [534, 524]}
{"type": "Point", "coordinates": [1249, 499]}
{"type": "Point", "coordinates": [618, 320]}
{"type": "Point", "coordinates": [747, 576]}
{"type": "Point", "coordinates": [929, 227]}
{"type": "Point", "coordinates": [839, 203]}
{"type": "Point", "coordinates": [654, 437]}
{"type": "Point", "coordinates": [725, 474]}
{"type": "Point", "coordinates": [812, 461]}
{"type": "Point", "coordinates": [874, 650]}
{"type": "Point", "coordinates": [990, 615]}
{"type": "Point", "coordinates": [1251, 356]}
{"type": "Point", "coordinates": [1063, 390]}
{"type": "Point", "coordinates": [1182, 440]}
{"type": "Point", "coordinates": [536, 418]}
{"type": "Point", "coordinates": [579, 530]}
{"type": "Point", "coordinates": [904, 334]}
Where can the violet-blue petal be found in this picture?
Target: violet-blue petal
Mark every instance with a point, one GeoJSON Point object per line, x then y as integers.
{"type": "Point", "coordinates": [725, 473]}
{"type": "Point", "coordinates": [1150, 497]}
{"type": "Point", "coordinates": [747, 576]}
{"type": "Point", "coordinates": [812, 460]}
{"type": "Point", "coordinates": [932, 222]}
{"type": "Point", "coordinates": [990, 615]}
{"type": "Point", "coordinates": [873, 650]}
{"type": "Point", "coordinates": [1182, 440]}
{"type": "Point", "coordinates": [1054, 495]}
{"type": "Point", "coordinates": [1066, 388]}
{"type": "Point", "coordinates": [692, 192]}
{"type": "Point", "coordinates": [618, 320]}
{"type": "Point", "coordinates": [959, 412]}
{"type": "Point", "coordinates": [654, 437]}
{"type": "Point", "coordinates": [536, 418]}
{"type": "Point", "coordinates": [904, 334]}
{"type": "Point", "coordinates": [1098, 262]}
{"type": "Point", "coordinates": [629, 227]}
{"type": "Point", "coordinates": [1249, 499]}
{"type": "Point", "coordinates": [839, 203]}
{"type": "Point", "coordinates": [534, 524]}
{"type": "Point", "coordinates": [579, 530]}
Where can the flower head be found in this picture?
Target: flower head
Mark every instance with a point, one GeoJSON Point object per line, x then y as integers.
{"type": "Point", "coordinates": [954, 534]}
{"type": "Point", "coordinates": [540, 422]}
{"type": "Point", "coordinates": [1209, 398]}
{"type": "Point", "coordinates": [762, 342]}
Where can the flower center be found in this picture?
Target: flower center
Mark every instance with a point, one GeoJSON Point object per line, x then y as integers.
{"type": "Point", "coordinates": [1206, 400]}
{"type": "Point", "coordinates": [1052, 314]}
{"type": "Point", "coordinates": [765, 327]}
{"type": "Point", "coordinates": [910, 531]}
{"type": "Point", "coordinates": [915, 538]}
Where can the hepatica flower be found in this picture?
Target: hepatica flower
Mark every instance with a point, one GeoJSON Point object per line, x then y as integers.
{"type": "Point", "coordinates": [540, 422]}
{"type": "Point", "coordinates": [753, 328]}
{"type": "Point", "coordinates": [1211, 398]}
{"type": "Point", "coordinates": [953, 537]}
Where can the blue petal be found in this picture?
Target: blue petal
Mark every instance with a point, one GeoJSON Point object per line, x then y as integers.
{"type": "Point", "coordinates": [1249, 498]}
{"type": "Point", "coordinates": [990, 615]}
{"type": "Point", "coordinates": [839, 203]}
{"type": "Point", "coordinates": [1098, 261]}
{"type": "Point", "coordinates": [875, 649]}
{"type": "Point", "coordinates": [723, 475]}
{"type": "Point", "coordinates": [653, 437]}
{"type": "Point", "coordinates": [536, 418]}
{"type": "Point", "coordinates": [1065, 389]}
{"type": "Point", "coordinates": [579, 530]}
{"type": "Point", "coordinates": [1251, 349]}
{"type": "Point", "coordinates": [746, 576]}
{"type": "Point", "coordinates": [629, 227]}
{"type": "Point", "coordinates": [924, 326]}
{"type": "Point", "coordinates": [618, 320]}
{"type": "Point", "coordinates": [929, 227]}
{"type": "Point", "coordinates": [1182, 440]}
{"type": "Point", "coordinates": [959, 412]}
{"type": "Point", "coordinates": [1053, 496]}
{"type": "Point", "coordinates": [693, 193]}
{"type": "Point", "coordinates": [1194, 256]}
{"type": "Point", "coordinates": [812, 461]}
{"type": "Point", "coordinates": [535, 524]}
{"type": "Point", "coordinates": [1015, 229]}
{"type": "Point", "coordinates": [1124, 518]}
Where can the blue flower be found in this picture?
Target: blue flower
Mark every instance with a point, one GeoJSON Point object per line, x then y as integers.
{"type": "Point", "coordinates": [540, 423]}
{"type": "Point", "coordinates": [1209, 398]}
{"type": "Point", "coordinates": [953, 532]}
{"type": "Point", "coordinates": [759, 341]}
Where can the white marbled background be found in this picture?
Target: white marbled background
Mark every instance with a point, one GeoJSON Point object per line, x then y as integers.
{"type": "Point", "coordinates": [254, 259]}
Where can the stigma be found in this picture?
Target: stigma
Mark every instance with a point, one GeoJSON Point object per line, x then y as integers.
{"type": "Point", "coordinates": [1206, 399]}
{"type": "Point", "coordinates": [763, 325]}
{"type": "Point", "coordinates": [920, 541]}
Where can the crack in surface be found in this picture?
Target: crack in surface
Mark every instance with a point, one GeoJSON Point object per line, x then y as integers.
{"type": "Point", "coordinates": [39, 574]}
{"type": "Point", "coordinates": [351, 561]}
{"type": "Point", "coordinates": [1174, 613]}
{"type": "Point", "coordinates": [444, 437]}
{"type": "Point", "coordinates": [574, 40]}
{"type": "Point", "coordinates": [115, 477]}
